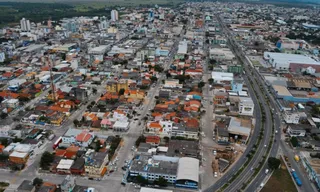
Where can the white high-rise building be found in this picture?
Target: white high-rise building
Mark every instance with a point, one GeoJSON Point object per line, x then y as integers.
{"type": "Point", "coordinates": [25, 25]}
{"type": "Point", "coordinates": [114, 15]}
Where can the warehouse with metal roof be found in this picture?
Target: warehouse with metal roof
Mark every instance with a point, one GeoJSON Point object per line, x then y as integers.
{"type": "Point", "coordinates": [188, 173]}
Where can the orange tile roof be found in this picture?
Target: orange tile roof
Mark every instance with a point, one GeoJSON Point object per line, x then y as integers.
{"type": "Point", "coordinates": [9, 94]}
{"type": "Point", "coordinates": [155, 114]}
{"type": "Point", "coordinates": [83, 136]}
{"type": "Point", "coordinates": [153, 139]}
{"type": "Point", "coordinates": [60, 152]}
{"type": "Point", "coordinates": [58, 108]}
{"type": "Point", "coordinates": [155, 125]}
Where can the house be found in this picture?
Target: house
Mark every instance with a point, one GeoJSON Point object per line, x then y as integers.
{"type": "Point", "coordinates": [153, 140]}
{"type": "Point", "coordinates": [84, 139]}
{"type": "Point", "coordinates": [121, 126]}
{"type": "Point", "coordinates": [192, 105]}
{"type": "Point", "coordinates": [26, 186]}
{"type": "Point", "coordinates": [154, 128]}
{"type": "Point", "coordinates": [172, 83]}
{"type": "Point", "coordinates": [78, 166]}
{"type": "Point", "coordinates": [296, 130]}
{"type": "Point", "coordinates": [134, 94]}
{"type": "Point", "coordinates": [47, 187]}
{"type": "Point", "coordinates": [240, 129]}
{"type": "Point", "coordinates": [96, 163]}
{"type": "Point", "coordinates": [70, 136]}
{"type": "Point", "coordinates": [106, 123]}
{"type": "Point", "coordinates": [10, 103]}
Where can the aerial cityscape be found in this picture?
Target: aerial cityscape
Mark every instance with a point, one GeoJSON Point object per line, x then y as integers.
{"type": "Point", "coordinates": [160, 96]}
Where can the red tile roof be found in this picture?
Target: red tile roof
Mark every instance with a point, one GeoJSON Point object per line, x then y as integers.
{"type": "Point", "coordinates": [83, 136]}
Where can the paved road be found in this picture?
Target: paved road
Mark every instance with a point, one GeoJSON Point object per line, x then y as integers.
{"type": "Point", "coordinates": [261, 149]}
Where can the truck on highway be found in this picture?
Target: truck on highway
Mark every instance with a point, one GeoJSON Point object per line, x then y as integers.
{"type": "Point", "coordinates": [296, 178]}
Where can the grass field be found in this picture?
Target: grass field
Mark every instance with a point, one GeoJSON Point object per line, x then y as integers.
{"type": "Point", "coordinates": [280, 181]}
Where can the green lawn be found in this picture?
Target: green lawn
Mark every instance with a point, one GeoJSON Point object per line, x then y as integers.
{"type": "Point", "coordinates": [280, 181]}
{"type": "Point", "coordinates": [256, 63]}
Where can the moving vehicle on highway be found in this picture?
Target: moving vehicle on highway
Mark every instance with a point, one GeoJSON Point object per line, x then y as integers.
{"type": "Point", "coordinates": [296, 178]}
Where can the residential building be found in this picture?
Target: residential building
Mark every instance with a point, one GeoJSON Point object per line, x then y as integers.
{"type": "Point", "coordinates": [121, 126]}
{"type": "Point", "coordinates": [183, 148]}
{"type": "Point", "coordinates": [19, 157]}
{"type": "Point", "coordinates": [311, 166]}
{"type": "Point", "coordinates": [114, 15]}
{"type": "Point", "coordinates": [296, 130]}
{"type": "Point", "coordinates": [116, 86]}
{"type": "Point", "coordinates": [25, 25]}
{"type": "Point", "coordinates": [172, 83]}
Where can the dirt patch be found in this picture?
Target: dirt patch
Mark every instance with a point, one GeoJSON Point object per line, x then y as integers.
{"type": "Point", "coordinates": [280, 181]}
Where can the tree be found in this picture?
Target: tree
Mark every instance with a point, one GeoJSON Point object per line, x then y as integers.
{"type": "Point", "coordinates": [294, 141]}
{"type": "Point", "coordinates": [168, 75]}
{"type": "Point", "coordinates": [201, 84]}
{"type": "Point", "coordinates": [4, 141]}
{"type": "Point", "coordinates": [3, 115]}
{"type": "Point", "coordinates": [76, 122]}
{"type": "Point", "coordinates": [94, 90]}
{"type": "Point", "coordinates": [141, 180]}
{"type": "Point", "coordinates": [98, 145]}
{"type": "Point", "coordinates": [158, 68]}
{"type": "Point", "coordinates": [210, 81]}
{"type": "Point", "coordinates": [161, 182]}
{"type": "Point", "coordinates": [46, 159]}
{"type": "Point", "coordinates": [37, 182]}
{"type": "Point", "coordinates": [121, 92]}
{"type": "Point", "coordinates": [153, 79]}
{"type": "Point", "coordinates": [273, 163]}
{"type": "Point", "coordinates": [1, 99]}
{"type": "Point", "coordinates": [139, 140]}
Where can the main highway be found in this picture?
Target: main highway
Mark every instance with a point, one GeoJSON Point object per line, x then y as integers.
{"type": "Point", "coordinates": [272, 116]}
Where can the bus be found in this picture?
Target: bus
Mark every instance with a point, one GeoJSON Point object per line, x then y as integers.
{"type": "Point", "coordinates": [56, 143]}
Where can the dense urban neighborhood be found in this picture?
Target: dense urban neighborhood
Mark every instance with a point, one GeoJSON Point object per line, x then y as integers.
{"type": "Point", "coordinates": [204, 96]}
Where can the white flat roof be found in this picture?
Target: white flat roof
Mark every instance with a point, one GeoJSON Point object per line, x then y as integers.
{"type": "Point", "coordinates": [222, 76]}
{"type": "Point", "coordinates": [291, 58]}
{"type": "Point", "coordinates": [121, 124]}
{"type": "Point", "coordinates": [236, 127]}
{"type": "Point", "coordinates": [18, 154]}
{"type": "Point", "coordinates": [145, 189]}
{"type": "Point", "coordinates": [188, 169]}
{"type": "Point", "coordinates": [183, 47]}
{"type": "Point", "coordinates": [65, 164]}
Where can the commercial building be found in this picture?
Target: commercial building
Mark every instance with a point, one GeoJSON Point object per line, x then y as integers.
{"type": "Point", "coordinates": [182, 48]}
{"type": "Point", "coordinates": [25, 25]}
{"type": "Point", "coordinates": [240, 129]}
{"type": "Point", "coordinates": [96, 163]}
{"type": "Point", "coordinates": [246, 106]}
{"type": "Point", "coordinates": [291, 117]}
{"type": "Point", "coordinates": [114, 15]}
{"type": "Point", "coordinates": [312, 167]}
{"type": "Point", "coordinates": [188, 173]}
{"type": "Point", "coordinates": [64, 166]}
{"type": "Point", "coordinates": [219, 77]}
{"type": "Point", "coordinates": [284, 61]}
{"type": "Point", "coordinates": [153, 168]}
